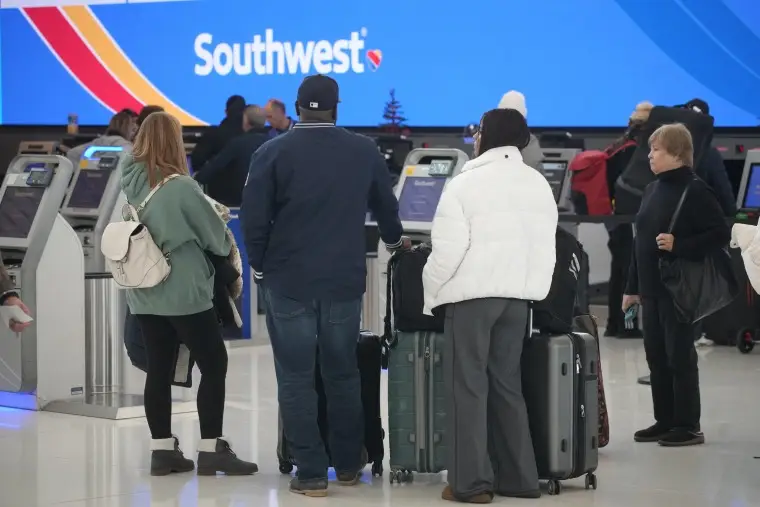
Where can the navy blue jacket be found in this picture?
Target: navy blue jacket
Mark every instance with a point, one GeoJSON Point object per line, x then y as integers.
{"type": "Point", "coordinates": [304, 209]}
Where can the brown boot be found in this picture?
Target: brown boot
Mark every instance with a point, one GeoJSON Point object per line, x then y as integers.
{"type": "Point", "coordinates": [448, 494]}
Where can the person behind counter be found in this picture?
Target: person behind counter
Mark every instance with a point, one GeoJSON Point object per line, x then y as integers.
{"type": "Point", "coordinates": [493, 252]}
{"type": "Point", "coordinates": [304, 207]}
{"type": "Point", "coordinates": [180, 309]}
{"type": "Point", "coordinates": [700, 230]}
{"type": "Point", "coordinates": [224, 175]}
{"type": "Point", "coordinates": [214, 139]}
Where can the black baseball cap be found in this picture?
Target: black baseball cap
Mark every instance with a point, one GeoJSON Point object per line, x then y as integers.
{"type": "Point", "coordinates": [698, 105]}
{"type": "Point", "coordinates": [318, 93]}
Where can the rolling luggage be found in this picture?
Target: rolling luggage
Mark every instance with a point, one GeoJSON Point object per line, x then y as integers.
{"type": "Point", "coordinates": [560, 385]}
{"type": "Point", "coordinates": [416, 410]}
{"type": "Point", "coordinates": [405, 294]}
{"type": "Point", "coordinates": [587, 324]}
{"type": "Point", "coordinates": [369, 353]}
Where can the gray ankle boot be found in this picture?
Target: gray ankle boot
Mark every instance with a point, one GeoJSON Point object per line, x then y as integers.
{"type": "Point", "coordinates": [215, 455]}
{"type": "Point", "coordinates": [167, 458]}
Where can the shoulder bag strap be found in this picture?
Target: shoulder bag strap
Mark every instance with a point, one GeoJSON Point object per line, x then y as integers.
{"type": "Point", "coordinates": [388, 320]}
{"type": "Point", "coordinates": [677, 212]}
{"type": "Point", "coordinates": [154, 190]}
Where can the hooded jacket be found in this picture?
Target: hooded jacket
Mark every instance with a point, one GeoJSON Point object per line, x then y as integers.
{"type": "Point", "coordinates": [493, 233]}
{"type": "Point", "coordinates": [532, 154]}
{"type": "Point", "coordinates": [75, 154]}
{"type": "Point", "coordinates": [184, 225]}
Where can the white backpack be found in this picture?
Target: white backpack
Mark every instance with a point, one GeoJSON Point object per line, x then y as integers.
{"type": "Point", "coordinates": [131, 255]}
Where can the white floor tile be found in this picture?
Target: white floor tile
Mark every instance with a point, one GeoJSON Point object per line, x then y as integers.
{"type": "Point", "coordinates": [51, 459]}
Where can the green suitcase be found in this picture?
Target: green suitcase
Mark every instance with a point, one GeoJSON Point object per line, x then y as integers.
{"type": "Point", "coordinates": [416, 406]}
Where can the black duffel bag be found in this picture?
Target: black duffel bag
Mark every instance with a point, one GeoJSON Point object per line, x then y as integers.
{"type": "Point", "coordinates": [555, 314]}
{"type": "Point", "coordinates": [405, 295]}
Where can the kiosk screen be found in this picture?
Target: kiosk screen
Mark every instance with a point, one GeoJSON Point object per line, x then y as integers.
{"type": "Point", "coordinates": [752, 191]}
{"type": "Point", "coordinates": [419, 198]}
{"type": "Point", "coordinates": [18, 209]}
{"type": "Point", "coordinates": [88, 189]}
{"type": "Point", "coordinates": [555, 175]}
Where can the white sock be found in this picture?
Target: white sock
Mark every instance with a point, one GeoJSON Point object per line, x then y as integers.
{"type": "Point", "coordinates": [162, 444]}
{"type": "Point", "coordinates": [209, 444]}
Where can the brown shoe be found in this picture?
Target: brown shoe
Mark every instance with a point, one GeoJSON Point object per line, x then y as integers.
{"type": "Point", "coordinates": [448, 494]}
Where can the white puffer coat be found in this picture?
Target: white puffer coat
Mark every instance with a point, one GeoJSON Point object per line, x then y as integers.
{"type": "Point", "coordinates": [747, 238]}
{"type": "Point", "coordinates": [493, 233]}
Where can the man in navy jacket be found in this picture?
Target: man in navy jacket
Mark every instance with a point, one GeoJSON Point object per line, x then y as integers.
{"type": "Point", "coordinates": [304, 208]}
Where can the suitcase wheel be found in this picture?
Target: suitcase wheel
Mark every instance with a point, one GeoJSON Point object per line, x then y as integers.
{"type": "Point", "coordinates": [591, 481]}
{"type": "Point", "coordinates": [285, 467]}
{"type": "Point", "coordinates": [555, 487]}
{"type": "Point", "coordinates": [745, 340]}
{"type": "Point", "coordinates": [401, 476]}
{"type": "Point", "coordinates": [377, 469]}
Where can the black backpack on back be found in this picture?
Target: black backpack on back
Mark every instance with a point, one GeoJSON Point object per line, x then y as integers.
{"type": "Point", "coordinates": [629, 187]}
{"type": "Point", "coordinates": [568, 293]}
{"type": "Point", "coordinates": [405, 295]}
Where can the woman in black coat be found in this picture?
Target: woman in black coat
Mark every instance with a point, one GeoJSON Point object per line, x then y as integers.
{"type": "Point", "coordinates": [699, 231]}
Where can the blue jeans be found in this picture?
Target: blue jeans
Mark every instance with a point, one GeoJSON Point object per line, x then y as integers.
{"type": "Point", "coordinates": [296, 330]}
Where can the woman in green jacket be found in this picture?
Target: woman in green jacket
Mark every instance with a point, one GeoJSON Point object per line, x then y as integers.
{"type": "Point", "coordinates": [180, 309]}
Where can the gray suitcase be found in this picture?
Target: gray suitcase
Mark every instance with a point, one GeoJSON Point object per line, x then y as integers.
{"type": "Point", "coordinates": [416, 410]}
{"type": "Point", "coordinates": [560, 385]}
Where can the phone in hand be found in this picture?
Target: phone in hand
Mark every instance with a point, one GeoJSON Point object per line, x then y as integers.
{"type": "Point", "coordinates": [630, 316]}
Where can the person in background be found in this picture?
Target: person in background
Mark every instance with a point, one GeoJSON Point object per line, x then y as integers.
{"type": "Point", "coordinates": [10, 297]}
{"type": "Point", "coordinates": [224, 175]}
{"type": "Point", "coordinates": [712, 169]}
{"type": "Point", "coordinates": [620, 240]}
{"type": "Point", "coordinates": [214, 139]}
{"type": "Point", "coordinates": [145, 112]}
{"type": "Point", "coordinates": [493, 252]}
{"type": "Point", "coordinates": [278, 119]}
{"type": "Point", "coordinates": [180, 309]}
{"type": "Point", "coordinates": [700, 230]}
{"type": "Point", "coordinates": [131, 113]}
{"type": "Point", "coordinates": [304, 207]}
{"type": "Point", "coordinates": [120, 132]}
{"type": "Point", "coordinates": [531, 154]}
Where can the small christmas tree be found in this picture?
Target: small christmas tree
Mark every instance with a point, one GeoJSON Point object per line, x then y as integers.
{"type": "Point", "coordinates": [395, 122]}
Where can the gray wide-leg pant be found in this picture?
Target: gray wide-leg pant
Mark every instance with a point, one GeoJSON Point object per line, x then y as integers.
{"type": "Point", "coordinates": [490, 444]}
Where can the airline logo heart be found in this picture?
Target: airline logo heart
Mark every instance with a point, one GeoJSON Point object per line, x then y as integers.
{"type": "Point", "coordinates": [374, 58]}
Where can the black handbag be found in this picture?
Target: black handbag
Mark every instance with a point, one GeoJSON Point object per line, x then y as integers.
{"type": "Point", "coordinates": [699, 288]}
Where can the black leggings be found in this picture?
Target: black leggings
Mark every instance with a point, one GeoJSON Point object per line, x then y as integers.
{"type": "Point", "coordinates": [201, 333]}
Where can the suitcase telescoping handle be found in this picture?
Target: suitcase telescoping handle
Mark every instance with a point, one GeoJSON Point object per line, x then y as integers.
{"type": "Point", "coordinates": [389, 337]}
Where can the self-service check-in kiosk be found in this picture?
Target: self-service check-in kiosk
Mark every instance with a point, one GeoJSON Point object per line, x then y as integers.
{"type": "Point", "coordinates": [44, 366]}
{"type": "Point", "coordinates": [426, 173]}
{"type": "Point", "coordinates": [38, 147]}
{"type": "Point", "coordinates": [748, 197]}
{"type": "Point", "coordinates": [556, 164]}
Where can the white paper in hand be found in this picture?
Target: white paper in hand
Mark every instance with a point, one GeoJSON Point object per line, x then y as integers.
{"type": "Point", "coordinates": [13, 312]}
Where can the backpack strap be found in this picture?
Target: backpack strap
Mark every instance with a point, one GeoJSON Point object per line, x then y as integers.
{"type": "Point", "coordinates": [153, 192]}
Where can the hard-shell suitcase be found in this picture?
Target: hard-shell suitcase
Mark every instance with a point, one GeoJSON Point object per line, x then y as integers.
{"type": "Point", "coordinates": [587, 324]}
{"type": "Point", "coordinates": [560, 385]}
{"type": "Point", "coordinates": [416, 410]}
{"type": "Point", "coordinates": [369, 353]}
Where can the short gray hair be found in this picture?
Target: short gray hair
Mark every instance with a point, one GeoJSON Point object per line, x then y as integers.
{"type": "Point", "coordinates": [255, 117]}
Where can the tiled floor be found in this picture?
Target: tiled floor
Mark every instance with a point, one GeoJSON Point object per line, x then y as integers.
{"type": "Point", "coordinates": [50, 459]}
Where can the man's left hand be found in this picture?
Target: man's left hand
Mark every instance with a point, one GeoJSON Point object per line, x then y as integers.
{"type": "Point", "coordinates": [15, 326]}
{"type": "Point", "coordinates": [665, 242]}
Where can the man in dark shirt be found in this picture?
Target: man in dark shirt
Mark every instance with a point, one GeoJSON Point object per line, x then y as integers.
{"type": "Point", "coordinates": [216, 138]}
{"type": "Point", "coordinates": [279, 121]}
{"type": "Point", "coordinates": [225, 174]}
{"type": "Point", "coordinates": [304, 208]}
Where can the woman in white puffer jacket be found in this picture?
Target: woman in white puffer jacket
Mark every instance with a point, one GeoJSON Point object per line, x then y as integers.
{"type": "Point", "coordinates": [493, 252]}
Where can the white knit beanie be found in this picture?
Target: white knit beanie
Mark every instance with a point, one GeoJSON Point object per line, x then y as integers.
{"type": "Point", "coordinates": [514, 100]}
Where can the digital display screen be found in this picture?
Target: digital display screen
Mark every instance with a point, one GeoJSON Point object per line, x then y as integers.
{"type": "Point", "coordinates": [35, 165]}
{"type": "Point", "coordinates": [752, 192]}
{"type": "Point", "coordinates": [18, 209]}
{"type": "Point", "coordinates": [440, 168]}
{"type": "Point", "coordinates": [419, 198]}
{"type": "Point", "coordinates": [555, 174]}
{"type": "Point", "coordinates": [88, 189]}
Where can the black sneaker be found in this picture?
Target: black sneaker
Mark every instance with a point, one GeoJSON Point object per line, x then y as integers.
{"type": "Point", "coordinates": [222, 460]}
{"type": "Point", "coordinates": [348, 478]}
{"type": "Point", "coordinates": [651, 434]}
{"type": "Point", "coordinates": [316, 488]}
{"type": "Point", "coordinates": [167, 458]}
{"type": "Point", "coordinates": [680, 437]}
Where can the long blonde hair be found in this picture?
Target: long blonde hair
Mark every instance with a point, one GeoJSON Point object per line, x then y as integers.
{"type": "Point", "coordinates": [160, 147]}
